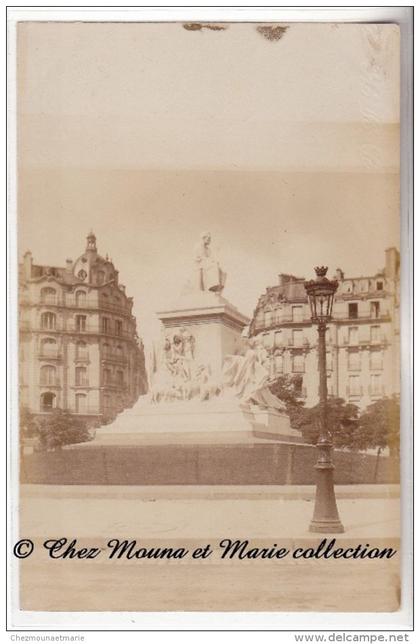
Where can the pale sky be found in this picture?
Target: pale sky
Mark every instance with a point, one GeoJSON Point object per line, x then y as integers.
{"type": "Point", "coordinates": [287, 151]}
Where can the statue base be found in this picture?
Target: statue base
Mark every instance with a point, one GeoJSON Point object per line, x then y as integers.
{"type": "Point", "coordinates": [214, 417]}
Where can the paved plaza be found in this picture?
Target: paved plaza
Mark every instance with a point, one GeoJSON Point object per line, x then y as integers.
{"type": "Point", "coordinates": [176, 516]}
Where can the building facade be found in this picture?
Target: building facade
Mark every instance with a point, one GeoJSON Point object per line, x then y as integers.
{"type": "Point", "coordinates": [79, 349]}
{"type": "Point", "coordinates": [363, 341]}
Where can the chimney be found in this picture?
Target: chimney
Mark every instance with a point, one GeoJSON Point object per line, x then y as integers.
{"type": "Point", "coordinates": [69, 265]}
{"type": "Point", "coordinates": [27, 264]}
{"type": "Point", "coordinates": [392, 262]}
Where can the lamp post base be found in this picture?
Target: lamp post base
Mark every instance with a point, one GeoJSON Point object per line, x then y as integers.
{"type": "Point", "coordinates": [326, 527]}
{"type": "Point", "coordinates": [326, 518]}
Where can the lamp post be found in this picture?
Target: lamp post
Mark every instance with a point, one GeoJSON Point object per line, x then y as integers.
{"type": "Point", "coordinates": [320, 294]}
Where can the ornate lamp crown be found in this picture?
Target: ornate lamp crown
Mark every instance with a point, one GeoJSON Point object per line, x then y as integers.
{"type": "Point", "coordinates": [321, 271]}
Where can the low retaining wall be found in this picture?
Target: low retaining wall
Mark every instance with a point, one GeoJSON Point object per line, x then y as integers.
{"type": "Point", "coordinates": [239, 464]}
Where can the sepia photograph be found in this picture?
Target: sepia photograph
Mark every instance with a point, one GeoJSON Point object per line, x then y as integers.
{"type": "Point", "coordinates": [209, 357]}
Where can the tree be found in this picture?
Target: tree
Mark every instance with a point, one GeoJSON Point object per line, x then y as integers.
{"type": "Point", "coordinates": [61, 428]}
{"type": "Point", "coordinates": [27, 423]}
{"type": "Point", "coordinates": [342, 422]}
{"type": "Point", "coordinates": [379, 425]}
{"type": "Point", "coordinates": [286, 388]}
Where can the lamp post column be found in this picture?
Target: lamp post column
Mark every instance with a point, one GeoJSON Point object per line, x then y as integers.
{"type": "Point", "coordinates": [326, 517]}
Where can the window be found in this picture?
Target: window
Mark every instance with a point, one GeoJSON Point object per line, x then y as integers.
{"type": "Point", "coordinates": [49, 347]}
{"type": "Point", "coordinates": [48, 295]}
{"type": "Point", "coordinates": [353, 335]}
{"type": "Point", "coordinates": [376, 360]}
{"type": "Point", "coordinates": [375, 333]}
{"type": "Point", "coordinates": [298, 363]}
{"type": "Point", "coordinates": [268, 318]}
{"type": "Point", "coordinates": [48, 401]}
{"type": "Point", "coordinates": [100, 277]}
{"type": "Point", "coordinates": [353, 310]}
{"type": "Point", "coordinates": [48, 375]}
{"type": "Point", "coordinates": [82, 351]}
{"type": "Point", "coordinates": [81, 377]}
{"type": "Point", "coordinates": [107, 350]}
{"type": "Point", "coordinates": [48, 321]}
{"type": "Point", "coordinates": [375, 309]}
{"type": "Point", "coordinates": [379, 286]}
{"type": "Point", "coordinates": [118, 327]}
{"type": "Point", "coordinates": [363, 286]}
{"type": "Point", "coordinates": [297, 313]}
{"type": "Point", "coordinates": [81, 404]}
{"type": "Point", "coordinates": [107, 376]}
{"type": "Point", "coordinates": [354, 386]}
{"type": "Point", "coordinates": [353, 361]}
{"type": "Point", "coordinates": [80, 323]}
{"type": "Point", "coordinates": [375, 384]}
{"type": "Point", "coordinates": [278, 364]}
{"type": "Point", "coordinates": [119, 351]}
{"type": "Point", "coordinates": [120, 377]}
{"type": "Point", "coordinates": [278, 316]}
{"type": "Point", "coordinates": [278, 339]}
{"type": "Point", "coordinates": [105, 325]}
{"type": "Point", "coordinates": [107, 402]}
{"type": "Point", "coordinates": [81, 298]}
{"type": "Point", "coordinates": [297, 337]}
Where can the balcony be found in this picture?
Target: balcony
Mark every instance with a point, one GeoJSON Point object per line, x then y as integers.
{"type": "Point", "coordinates": [82, 382]}
{"type": "Point", "coordinates": [361, 315]}
{"type": "Point", "coordinates": [90, 410]}
{"type": "Point", "coordinates": [108, 356]}
{"type": "Point", "coordinates": [277, 322]}
{"type": "Point", "coordinates": [113, 383]}
{"type": "Point", "coordinates": [354, 392]}
{"type": "Point", "coordinates": [50, 382]}
{"type": "Point", "coordinates": [96, 329]}
{"type": "Point", "coordinates": [51, 300]}
{"type": "Point", "coordinates": [50, 355]}
{"type": "Point", "coordinates": [101, 304]}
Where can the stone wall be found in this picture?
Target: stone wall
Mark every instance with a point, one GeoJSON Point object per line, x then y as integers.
{"type": "Point", "coordinates": [253, 464]}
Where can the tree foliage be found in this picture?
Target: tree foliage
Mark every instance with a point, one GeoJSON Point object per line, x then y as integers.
{"type": "Point", "coordinates": [379, 425]}
{"type": "Point", "coordinates": [342, 422]}
{"type": "Point", "coordinates": [54, 430]}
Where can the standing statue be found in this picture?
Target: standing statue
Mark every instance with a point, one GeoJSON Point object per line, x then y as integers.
{"type": "Point", "coordinates": [209, 275]}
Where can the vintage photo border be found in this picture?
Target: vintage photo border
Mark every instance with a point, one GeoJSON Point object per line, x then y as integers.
{"type": "Point", "coordinates": [44, 621]}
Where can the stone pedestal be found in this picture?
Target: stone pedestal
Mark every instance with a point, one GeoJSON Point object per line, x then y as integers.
{"type": "Point", "coordinates": [215, 324]}
{"type": "Point", "coordinates": [216, 327]}
{"type": "Point", "coordinates": [219, 416]}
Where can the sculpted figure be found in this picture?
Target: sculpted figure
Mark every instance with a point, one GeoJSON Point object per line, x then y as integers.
{"type": "Point", "coordinates": [248, 378]}
{"type": "Point", "coordinates": [209, 275]}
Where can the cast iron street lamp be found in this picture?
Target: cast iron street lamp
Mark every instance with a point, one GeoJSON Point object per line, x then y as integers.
{"type": "Point", "coordinates": [325, 519]}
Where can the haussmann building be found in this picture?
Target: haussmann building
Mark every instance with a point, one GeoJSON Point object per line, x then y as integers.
{"type": "Point", "coordinates": [363, 338]}
{"type": "Point", "coordinates": [79, 349]}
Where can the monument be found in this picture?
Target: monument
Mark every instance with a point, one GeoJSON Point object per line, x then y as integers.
{"type": "Point", "coordinates": [206, 375]}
